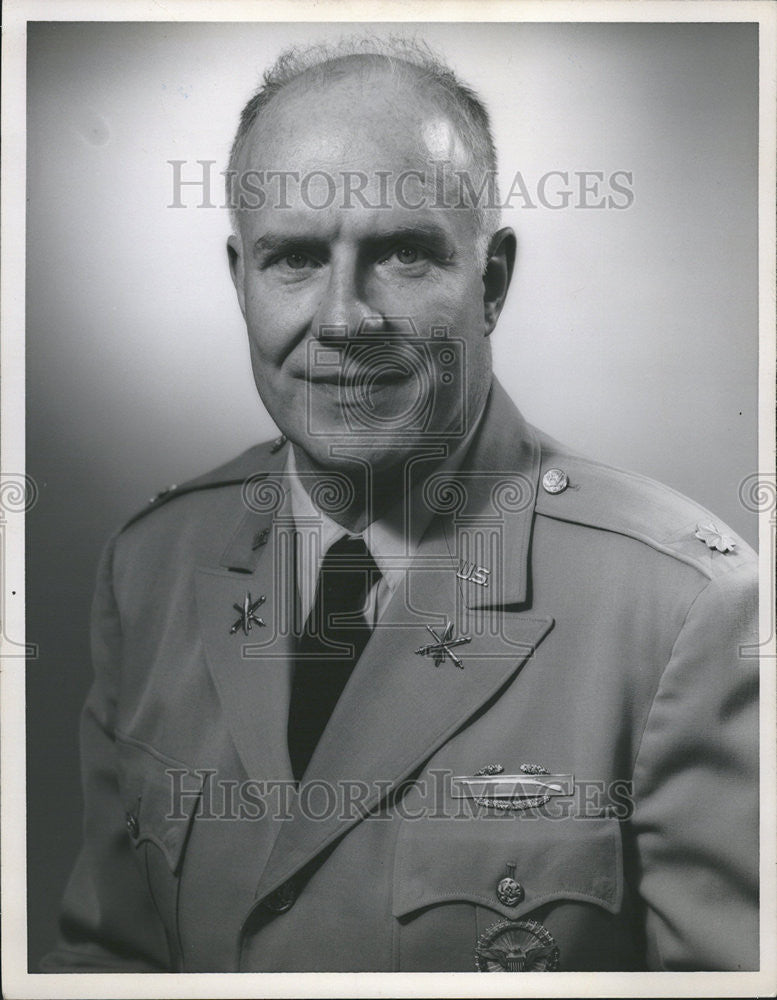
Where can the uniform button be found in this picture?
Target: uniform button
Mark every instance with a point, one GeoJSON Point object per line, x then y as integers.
{"type": "Point", "coordinates": [509, 892]}
{"type": "Point", "coordinates": [282, 899]}
{"type": "Point", "coordinates": [555, 481]}
{"type": "Point", "coordinates": [132, 825]}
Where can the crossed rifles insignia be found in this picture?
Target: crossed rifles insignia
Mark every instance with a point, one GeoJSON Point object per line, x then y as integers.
{"type": "Point", "coordinates": [248, 617]}
{"type": "Point", "coordinates": [443, 645]}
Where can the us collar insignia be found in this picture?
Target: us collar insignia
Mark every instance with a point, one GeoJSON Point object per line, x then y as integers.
{"type": "Point", "coordinates": [516, 946]}
{"type": "Point", "coordinates": [492, 788]}
{"type": "Point", "coordinates": [247, 612]}
{"type": "Point", "coordinates": [713, 538]}
{"type": "Point", "coordinates": [473, 573]}
{"type": "Point", "coordinates": [442, 645]}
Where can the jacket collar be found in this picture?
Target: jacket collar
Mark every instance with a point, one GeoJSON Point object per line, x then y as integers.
{"type": "Point", "coordinates": [485, 507]}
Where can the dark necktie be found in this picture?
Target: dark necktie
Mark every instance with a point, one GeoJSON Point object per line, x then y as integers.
{"type": "Point", "coordinates": [335, 634]}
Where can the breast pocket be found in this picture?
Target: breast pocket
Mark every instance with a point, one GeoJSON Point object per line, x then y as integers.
{"type": "Point", "coordinates": [158, 823]}
{"type": "Point", "coordinates": [509, 894]}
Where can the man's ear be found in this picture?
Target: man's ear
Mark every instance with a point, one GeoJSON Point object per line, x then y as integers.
{"type": "Point", "coordinates": [497, 275]}
{"type": "Point", "coordinates": [237, 269]}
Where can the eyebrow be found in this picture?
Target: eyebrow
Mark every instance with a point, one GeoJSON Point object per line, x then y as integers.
{"type": "Point", "coordinates": [432, 235]}
{"type": "Point", "coordinates": [278, 243]}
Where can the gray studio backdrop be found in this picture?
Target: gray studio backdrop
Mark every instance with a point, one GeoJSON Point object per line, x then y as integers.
{"type": "Point", "coordinates": [630, 332]}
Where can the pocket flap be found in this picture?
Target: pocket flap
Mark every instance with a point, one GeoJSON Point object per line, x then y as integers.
{"type": "Point", "coordinates": [154, 812]}
{"type": "Point", "coordinates": [464, 860]}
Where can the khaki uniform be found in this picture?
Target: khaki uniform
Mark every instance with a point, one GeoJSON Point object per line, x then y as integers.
{"type": "Point", "coordinates": [606, 645]}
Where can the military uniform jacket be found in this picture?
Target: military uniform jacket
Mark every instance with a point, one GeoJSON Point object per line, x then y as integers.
{"type": "Point", "coordinates": [609, 644]}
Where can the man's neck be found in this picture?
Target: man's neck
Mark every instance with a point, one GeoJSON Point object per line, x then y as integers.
{"type": "Point", "coordinates": [357, 495]}
{"type": "Point", "coordinates": [353, 496]}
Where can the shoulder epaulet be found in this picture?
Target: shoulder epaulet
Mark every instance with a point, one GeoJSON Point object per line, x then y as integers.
{"type": "Point", "coordinates": [576, 489]}
{"type": "Point", "coordinates": [232, 473]}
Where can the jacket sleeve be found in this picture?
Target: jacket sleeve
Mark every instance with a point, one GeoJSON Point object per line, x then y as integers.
{"type": "Point", "coordinates": [695, 820]}
{"type": "Point", "coordinates": [108, 922]}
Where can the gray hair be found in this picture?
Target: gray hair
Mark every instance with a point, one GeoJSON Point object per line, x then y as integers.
{"type": "Point", "coordinates": [460, 101]}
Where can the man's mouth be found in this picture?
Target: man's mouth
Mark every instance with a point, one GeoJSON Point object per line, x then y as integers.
{"type": "Point", "coordinates": [361, 379]}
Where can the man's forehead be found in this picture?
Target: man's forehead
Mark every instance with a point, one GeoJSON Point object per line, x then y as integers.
{"type": "Point", "coordinates": [274, 228]}
{"type": "Point", "coordinates": [358, 121]}
{"type": "Point", "coordinates": [335, 198]}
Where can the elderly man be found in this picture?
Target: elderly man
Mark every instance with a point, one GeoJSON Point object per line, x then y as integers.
{"type": "Point", "coordinates": [411, 688]}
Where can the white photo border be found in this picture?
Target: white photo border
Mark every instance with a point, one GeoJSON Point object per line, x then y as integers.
{"type": "Point", "coordinates": [18, 983]}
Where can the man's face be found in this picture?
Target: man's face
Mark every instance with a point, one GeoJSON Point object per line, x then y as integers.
{"type": "Point", "coordinates": [365, 313]}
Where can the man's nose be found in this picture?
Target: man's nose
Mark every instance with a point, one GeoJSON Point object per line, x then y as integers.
{"type": "Point", "coordinates": [343, 308]}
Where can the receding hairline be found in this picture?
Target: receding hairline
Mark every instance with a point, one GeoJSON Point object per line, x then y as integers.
{"type": "Point", "coordinates": [352, 66]}
{"type": "Point", "coordinates": [351, 62]}
{"type": "Point", "coordinates": [340, 67]}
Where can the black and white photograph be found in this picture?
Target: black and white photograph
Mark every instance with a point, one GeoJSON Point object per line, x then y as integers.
{"type": "Point", "coordinates": [388, 502]}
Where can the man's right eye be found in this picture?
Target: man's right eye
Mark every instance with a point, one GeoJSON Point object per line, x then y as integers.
{"type": "Point", "coordinates": [296, 262]}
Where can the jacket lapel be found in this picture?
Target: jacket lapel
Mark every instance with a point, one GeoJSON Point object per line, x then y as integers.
{"type": "Point", "coordinates": [251, 668]}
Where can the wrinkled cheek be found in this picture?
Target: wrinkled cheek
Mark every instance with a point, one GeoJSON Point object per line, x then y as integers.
{"type": "Point", "coordinates": [270, 339]}
{"type": "Point", "coordinates": [267, 376]}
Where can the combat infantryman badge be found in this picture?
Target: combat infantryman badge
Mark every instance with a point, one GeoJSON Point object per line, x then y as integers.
{"type": "Point", "coordinates": [248, 618]}
{"type": "Point", "coordinates": [492, 788]}
{"type": "Point", "coordinates": [441, 647]}
{"type": "Point", "coordinates": [516, 946]}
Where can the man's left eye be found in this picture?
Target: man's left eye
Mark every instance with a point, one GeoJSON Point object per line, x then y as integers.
{"type": "Point", "coordinates": [406, 255]}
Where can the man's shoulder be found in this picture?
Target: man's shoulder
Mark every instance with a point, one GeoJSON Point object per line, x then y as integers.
{"type": "Point", "coordinates": [232, 475]}
{"type": "Point", "coordinates": [580, 490]}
